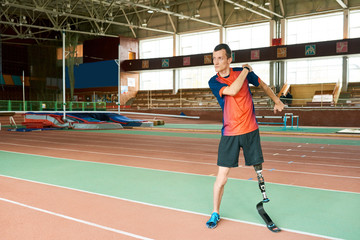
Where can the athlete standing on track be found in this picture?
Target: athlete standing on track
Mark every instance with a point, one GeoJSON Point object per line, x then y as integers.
{"type": "Point", "coordinates": [240, 130]}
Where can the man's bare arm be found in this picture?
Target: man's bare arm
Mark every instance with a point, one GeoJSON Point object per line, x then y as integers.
{"type": "Point", "coordinates": [279, 105]}
{"type": "Point", "coordinates": [235, 87]}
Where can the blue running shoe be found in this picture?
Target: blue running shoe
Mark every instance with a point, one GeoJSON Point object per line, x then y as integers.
{"type": "Point", "coordinates": [214, 219]}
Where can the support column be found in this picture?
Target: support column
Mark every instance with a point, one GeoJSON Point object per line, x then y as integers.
{"type": "Point", "coordinates": [272, 30]}
{"type": "Point", "coordinates": [176, 52]}
{"type": "Point", "coordinates": [119, 79]}
{"type": "Point", "coordinates": [222, 35]}
{"type": "Point", "coordinates": [345, 74]}
{"type": "Point", "coordinates": [0, 57]}
{"type": "Point", "coordinates": [282, 76]}
{"type": "Point", "coordinates": [272, 73]}
{"type": "Point", "coordinates": [345, 62]}
{"type": "Point", "coordinates": [283, 30]}
{"type": "Point", "coordinates": [346, 24]}
{"type": "Point", "coordinates": [63, 74]}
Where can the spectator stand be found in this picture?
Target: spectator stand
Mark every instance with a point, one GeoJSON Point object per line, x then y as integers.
{"type": "Point", "coordinates": [283, 122]}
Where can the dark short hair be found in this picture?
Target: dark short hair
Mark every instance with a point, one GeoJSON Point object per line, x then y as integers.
{"type": "Point", "coordinates": [223, 46]}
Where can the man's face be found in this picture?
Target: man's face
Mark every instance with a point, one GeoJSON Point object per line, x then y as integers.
{"type": "Point", "coordinates": [221, 62]}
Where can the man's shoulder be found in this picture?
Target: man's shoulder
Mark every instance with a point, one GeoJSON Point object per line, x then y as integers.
{"type": "Point", "coordinates": [213, 78]}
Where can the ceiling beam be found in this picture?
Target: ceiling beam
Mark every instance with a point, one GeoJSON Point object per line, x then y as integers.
{"type": "Point", "coordinates": [155, 9]}
{"type": "Point", "coordinates": [248, 9]}
{"type": "Point", "coordinates": [282, 7]}
{"type": "Point", "coordinates": [262, 8]}
{"type": "Point", "coordinates": [127, 19]}
{"type": "Point", "coordinates": [97, 20]}
{"type": "Point", "coordinates": [218, 12]}
{"type": "Point", "coordinates": [341, 3]}
{"type": "Point", "coordinates": [56, 29]}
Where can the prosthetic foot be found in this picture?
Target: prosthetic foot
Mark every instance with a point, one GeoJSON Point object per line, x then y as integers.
{"type": "Point", "coordinates": [260, 208]}
{"type": "Point", "coordinates": [258, 169]}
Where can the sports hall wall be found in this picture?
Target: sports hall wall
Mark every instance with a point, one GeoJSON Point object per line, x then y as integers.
{"type": "Point", "coordinates": [42, 70]}
{"type": "Point", "coordinates": [37, 62]}
{"type": "Point", "coordinates": [97, 78]}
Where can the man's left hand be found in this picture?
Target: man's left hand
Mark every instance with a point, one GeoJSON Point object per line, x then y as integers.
{"type": "Point", "coordinates": [279, 106]}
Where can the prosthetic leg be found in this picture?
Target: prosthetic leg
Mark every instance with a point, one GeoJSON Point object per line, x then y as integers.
{"type": "Point", "coordinates": [258, 169]}
{"type": "Point", "coordinates": [260, 208]}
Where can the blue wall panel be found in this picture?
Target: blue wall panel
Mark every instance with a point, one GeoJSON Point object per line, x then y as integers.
{"type": "Point", "coordinates": [97, 74]}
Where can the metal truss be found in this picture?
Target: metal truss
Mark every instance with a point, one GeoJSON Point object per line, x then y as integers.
{"type": "Point", "coordinates": [43, 20]}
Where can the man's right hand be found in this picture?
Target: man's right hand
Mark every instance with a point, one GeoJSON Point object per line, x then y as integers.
{"type": "Point", "coordinates": [247, 65]}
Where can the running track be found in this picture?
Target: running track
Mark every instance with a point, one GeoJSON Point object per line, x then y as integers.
{"type": "Point", "coordinates": [136, 184]}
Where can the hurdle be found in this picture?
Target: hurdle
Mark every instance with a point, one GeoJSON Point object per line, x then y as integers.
{"type": "Point", "coordinates": [283, 118]}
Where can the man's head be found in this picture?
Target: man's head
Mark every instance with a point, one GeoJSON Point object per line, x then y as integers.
{"type": "Point", "coordinates": [222, 58]}
{"type": "Point", "coordinates": [225, 47]}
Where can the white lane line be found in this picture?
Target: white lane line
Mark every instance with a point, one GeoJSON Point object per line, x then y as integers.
{"type": "Point", "coordinates": [184, 161]}
{"type": "Point", "coordinates": [50, 139]}
{"type": "Point", "coordinates": [311, 163]}
{"type": "Point", "coordinates": [128, 148]}
{"type": "Point", "coordinates": [168, 171]}
{"type": "Point", "coordinates": [161, 159]}
{"type": "Point", "coordinates": [326, 157]}
{"type": "Point", "coordinates": [164, 207]}
{"type": "Point", "coordinates": [111, 154]}
{"type": "Point", "coordinates": [75, 219]}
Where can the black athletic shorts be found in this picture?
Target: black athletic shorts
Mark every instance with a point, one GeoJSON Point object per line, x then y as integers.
{"type": "Point", "coordinates": [229, 149]}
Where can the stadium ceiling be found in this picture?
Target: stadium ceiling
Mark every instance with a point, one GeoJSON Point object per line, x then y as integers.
{"type": "Point", "coordinates": [43, 20]}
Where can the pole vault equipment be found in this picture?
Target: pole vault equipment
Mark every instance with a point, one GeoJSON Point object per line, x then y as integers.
{"type": "Point", "coordinates": [269, 223]}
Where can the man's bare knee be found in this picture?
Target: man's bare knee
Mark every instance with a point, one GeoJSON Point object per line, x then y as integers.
{"type": "Point", "coordinates": [222, 176]}
{"type": "Point", "coordinates": [221, 181]}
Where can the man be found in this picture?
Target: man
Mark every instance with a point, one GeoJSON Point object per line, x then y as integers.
{"type": "Point", "coordinates": [240, 129]}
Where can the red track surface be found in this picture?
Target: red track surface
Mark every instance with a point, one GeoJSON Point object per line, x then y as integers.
{"type": "Point", "coordinates": [325, 166]}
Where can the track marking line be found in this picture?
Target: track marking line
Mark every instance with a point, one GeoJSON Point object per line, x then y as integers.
{"type": "Point", "coordinates": [128, 148]}
{"type": "Point", "coordinates": [299, 172]}
{"type": "Point", "coordinates": [111, 154]}
{"type": "Point", "coordinates": [312, 164]}
{"type": "Point", "coordinates": [155, 145]}
{"type": "Point", "coordinates": [335, 158]}
{"type": "Point", "coordinates": [164, 207]}
{"type": "Point", "coordinates": [167, 171]}
{"type": "Point", "coordinates": [75, 219]}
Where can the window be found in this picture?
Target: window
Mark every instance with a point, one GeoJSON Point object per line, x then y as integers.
{"type": "Point", "coordinates": [245, 37]}
{"type": "Point", "coordinates": [202, 42]}
{"type": "Point", "coordinates": [325, 70]}
{"type": "Point", "coordinates": [156, 80]}
{"type": "Point", "coordinates": [157, 47]}
{"type": "Point", "coordinates": [315, 29]}
{"type": "Point", "coordinates": [354, 69]}
{"type": "Point", "coordinates": [354, 24]}
{"type": "Point", "coordinates": [196, 77]}
{"type": "Point", "coordinates": [78, 52]}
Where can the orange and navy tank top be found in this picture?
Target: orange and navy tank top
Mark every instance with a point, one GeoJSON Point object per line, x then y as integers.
{"type": "Point", "coordinates": [238, 111]}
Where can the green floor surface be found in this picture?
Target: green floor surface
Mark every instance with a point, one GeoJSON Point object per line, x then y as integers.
{"type": "Point", "coordinates": [262, 128]}
{"type": "Point", "coordinates": [327, 213]}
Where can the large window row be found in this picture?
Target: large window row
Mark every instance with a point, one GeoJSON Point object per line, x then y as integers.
{"type": "Point", "coordinates": [298, 30]}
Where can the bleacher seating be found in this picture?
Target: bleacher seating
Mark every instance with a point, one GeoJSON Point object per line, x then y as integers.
{"type": "Point", "coordinates": [351, 97]}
